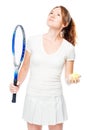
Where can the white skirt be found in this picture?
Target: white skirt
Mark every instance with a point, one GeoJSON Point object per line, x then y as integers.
{"type": "Point", "coordinates": [44, 110]}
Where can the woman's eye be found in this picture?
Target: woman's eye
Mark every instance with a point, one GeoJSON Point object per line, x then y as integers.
{"type": "Point", "coordinates": [51, 12]}
{"type": "Point", "coordinates": [58, 14]}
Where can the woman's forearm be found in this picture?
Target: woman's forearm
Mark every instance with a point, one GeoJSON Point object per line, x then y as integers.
{"type": "Point", "coordinates": [24, 69]}
{"type": "Point", "coordinates": [22, 75]}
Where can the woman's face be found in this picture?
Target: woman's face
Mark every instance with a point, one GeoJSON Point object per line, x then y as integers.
{"type": "Point", "coordinates": [54, 19]}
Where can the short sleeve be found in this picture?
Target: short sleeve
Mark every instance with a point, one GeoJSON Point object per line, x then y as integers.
{"type": "Point", "coordinates": [28, 46]}
{"type": "Point", "coordinates": [70, 53]}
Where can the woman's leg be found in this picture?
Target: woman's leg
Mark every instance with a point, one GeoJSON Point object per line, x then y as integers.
{"type": "Point", "coordinates": [34, 126]}
{"type": "Point", "coordinates": [56, 127]}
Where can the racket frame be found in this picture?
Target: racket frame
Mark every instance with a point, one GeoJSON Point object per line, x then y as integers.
{"type": "Point", "coordinates": [17, 66]}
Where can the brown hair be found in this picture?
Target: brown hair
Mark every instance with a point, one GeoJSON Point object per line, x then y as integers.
{"type": "Point", "coordinates": [69, 31]}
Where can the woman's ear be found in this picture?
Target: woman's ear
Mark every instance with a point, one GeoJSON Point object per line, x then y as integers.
{"type": "Point", "coordinates": [64, 25]}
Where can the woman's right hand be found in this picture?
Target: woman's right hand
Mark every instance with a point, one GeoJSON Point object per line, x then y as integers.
{"type": "Point", "coordinates": [13, 88]}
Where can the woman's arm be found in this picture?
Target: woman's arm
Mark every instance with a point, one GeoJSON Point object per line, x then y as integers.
{"type": "Point", "coordinates": [70, 78]}
{"type": "Point", "coordinates": [22, 73]}
{"type": "Point", "coordinates": [69, 66]}
{"type": "Point", "coordinates": [24, 69]}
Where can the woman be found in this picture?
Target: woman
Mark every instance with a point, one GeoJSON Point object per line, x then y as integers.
{"type": "Point", "coordinates": [45, 57]}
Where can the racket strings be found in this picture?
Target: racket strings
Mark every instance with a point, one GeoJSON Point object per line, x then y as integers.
{"type": "Point", "coordinates": [18, 45]}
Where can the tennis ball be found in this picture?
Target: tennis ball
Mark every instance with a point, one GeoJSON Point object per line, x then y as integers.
{"type": "Point", "coordinates": [75, 76]}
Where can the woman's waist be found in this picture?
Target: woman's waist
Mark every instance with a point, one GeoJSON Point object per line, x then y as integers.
{"type": "Point", "coordinates": [45, 79]}
{"type": "Point", "coordinates": [45, 76]}
{"type": "Point", "coordinates": [44, 91]}
{"type": "Point", "coordinates": [44, 84]}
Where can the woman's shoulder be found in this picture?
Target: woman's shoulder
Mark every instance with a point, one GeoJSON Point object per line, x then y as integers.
{"type": "Point", "coordinates": [69, 50]}
{"type": "Point", "coordinates": [34, 38]}
{"type": "Point", "coordinates": [33, 41]}
{"type": "Point", "coordinates": [68, 45]}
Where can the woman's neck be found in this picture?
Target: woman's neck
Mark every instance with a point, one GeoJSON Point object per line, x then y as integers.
{"type": "Point", "coordinates": [53, 35]}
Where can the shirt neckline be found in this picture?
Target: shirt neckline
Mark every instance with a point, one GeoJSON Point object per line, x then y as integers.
{"type": "Point", "coordinates": [53, 53]}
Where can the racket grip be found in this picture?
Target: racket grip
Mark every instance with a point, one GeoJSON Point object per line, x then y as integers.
{"type": "Point", "coordinates": [14, 98]}
{"type": "Point", "coordinates": [14, 95]}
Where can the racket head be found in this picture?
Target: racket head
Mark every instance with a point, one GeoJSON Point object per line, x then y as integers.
{"type": "Point", "coordinates": [18, 45]}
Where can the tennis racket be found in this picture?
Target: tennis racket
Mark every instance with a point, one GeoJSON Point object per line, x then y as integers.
{"type": "Point", "coordinates": [18, 51]}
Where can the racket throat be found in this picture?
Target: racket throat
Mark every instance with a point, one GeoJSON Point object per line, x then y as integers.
{"type": "Point", "coordinates": [15, 77]}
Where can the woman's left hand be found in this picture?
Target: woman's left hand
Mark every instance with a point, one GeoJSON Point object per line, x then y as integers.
{"type": "Point", "coordinates": [74, 78]}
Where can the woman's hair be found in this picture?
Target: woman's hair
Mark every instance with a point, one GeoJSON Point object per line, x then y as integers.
{"type": "Point", "coordinates": [69, 31]}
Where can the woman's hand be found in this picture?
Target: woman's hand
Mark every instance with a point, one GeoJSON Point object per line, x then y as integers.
{"type": "Point", "coordinates": [73, 78]}
{"type": "Point", "coordinates": [14, 89]}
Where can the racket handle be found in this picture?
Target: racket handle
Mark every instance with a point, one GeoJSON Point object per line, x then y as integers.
{"type": "Point", "coordinates": [14, 98]}
{"type": "Point", "coordinates": [14, 95]}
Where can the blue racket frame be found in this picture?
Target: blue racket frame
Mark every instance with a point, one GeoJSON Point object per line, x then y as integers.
{"type": "Point", "coordinates": [17, 66]}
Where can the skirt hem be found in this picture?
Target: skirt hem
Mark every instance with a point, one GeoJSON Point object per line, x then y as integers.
{"type": "Point", "coordinates": [36, 123]}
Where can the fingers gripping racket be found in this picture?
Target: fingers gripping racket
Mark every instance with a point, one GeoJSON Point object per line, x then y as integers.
{"type": "Point", "coordinates": [18, 51]}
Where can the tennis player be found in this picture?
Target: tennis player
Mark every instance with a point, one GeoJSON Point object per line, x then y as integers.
{"type": "Point", "coordinates": [46, 56]}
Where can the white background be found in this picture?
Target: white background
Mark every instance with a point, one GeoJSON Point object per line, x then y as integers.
{"type": "Point", "coordinates": [32, 15]}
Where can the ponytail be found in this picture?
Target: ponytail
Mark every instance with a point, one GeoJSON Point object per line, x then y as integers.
{"type": "Point", "coordinates": [69, 32]}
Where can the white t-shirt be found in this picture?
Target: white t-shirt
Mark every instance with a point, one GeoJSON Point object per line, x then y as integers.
{"type": "Point", "coordinates": [46, 69]}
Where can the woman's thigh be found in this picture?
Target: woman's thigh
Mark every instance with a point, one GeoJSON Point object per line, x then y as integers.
{"type": "Point", "coordinates": [34, 126]}
{"type": "Point", "coordinates": [56, 127]}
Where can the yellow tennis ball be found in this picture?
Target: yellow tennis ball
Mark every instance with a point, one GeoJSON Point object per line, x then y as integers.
{"type": "Point", "coordinates": [75, 75]}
